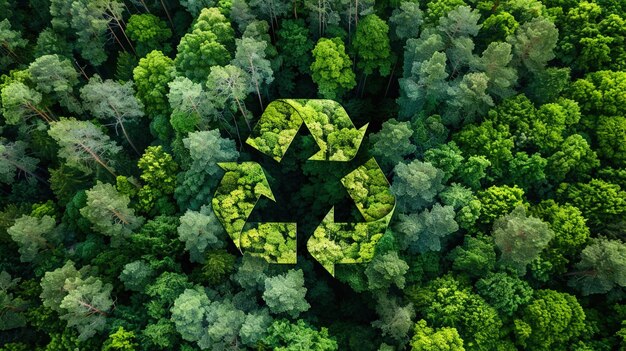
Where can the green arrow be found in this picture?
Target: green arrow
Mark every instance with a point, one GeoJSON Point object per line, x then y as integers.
{"type": "Point", "coordinates": [241, 187]}
{"type": "Point", "coordinates": [329, 124]}
{"type": "Point", "coordinates": [343, 243]}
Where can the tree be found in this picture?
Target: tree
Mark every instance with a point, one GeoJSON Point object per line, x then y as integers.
{"type": "Point", "coordinates": [534, 43]}
{"type": "Point", "coordinates": [201, 231]}
{"type": "Point", "coordinates": [498, 201]}
{"type": "Point", "coordinates": [83, 145]}
{"type": "Point", "coordinates": [108, 212]}
{"type": "Point", "coordinates": [445, 301]}
{"type": "Point", "coordinates": [331, 68]}
{"type": "Point", "coordinates": [151, 76]}
{"type": "Point", "coordinates": [493, 141]}
{"type": "Point", "coordinates": [33, 235]}
{"type": "Point", "coordinates": [392, 143]}
{"type": "Point", "coordinates": [575, 159]}
{"type": "Point", "coordinates": [83, 300]}
{"type": "Point", "coordinates": [56, 77]}
{"type": "Point", "coordinates": [444, 339]}
{"type": "Point", "coordinates": [286, 336]}
{"type": "Point", "coordinates": [469, 98]}
{"type": "Point", "coordinates": [551, 321]}
{"type": "Point", "coordinates": [495, 63]}
{"type": "Point", "coordinates": [111, 101]}
{"type": "Point", "coordinates": [211, 324]}
{"type": "Point", "coordinates": [386, 270]}
{"type": "Point", "coordinates": [158, 171]}
{"type": "Point", "coordinates": [12, 307]}
{"type": "Point", "coordinates": [371, 44]}
{"type": "Point", "coordinates": [415, 185]}
{"type": "Point", "coordinates": [395, 318]}
{"type": "Point", "coordinates": [191, 106]}
{"type": "Point", "coordinates": [476, 257]}
{"type": "Point", "coordinates": [121, 340]}
{"type": "Point", "coordinates": [20, 103]}
{"type": "Point", "coordinates": [149, 32]}
{"type": "Point", "coordinates": [206, 45]}
{"type": "Point", "coordinates": [504, 292]}
{"type": "Point", "coordinates": [271, 10]}
{"type": "Point", "coordinates": [285, 293]}
{"type": "Point", "coordinates": [424, 231]}
{"type": "Point", "coordinates": [520, 238]}
{"type": "Point", "coordinates": [294, 45]}
{"type": "Point", "coordinates": [610, 134]}
{"type": "Point", "coordinates": [206, 149]}
{"type": "Point", "coordinates": [12, 42]}
{"type": "Point", "coordinates": [602, 266]}
{"type": "Point", "coordinates": [600, 202]}
{"type": "Point", "coordinates": [89, 22]}
{"type": "Point", "coordinates": [136, 275]}
{"type": "Point", "coordinates": [15, 161]}
{"type": "Point", "coordinates": [250, 57]}
{"type": "Point", "coordinates": [86, 305]}
{"type": "Point", "coordinates": [406, 20]}
{"type": "Point", "coordinates": [228, 87]}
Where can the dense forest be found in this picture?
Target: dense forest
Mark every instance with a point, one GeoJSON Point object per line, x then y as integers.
{"type": "Point", "coordinates": [486, 142]}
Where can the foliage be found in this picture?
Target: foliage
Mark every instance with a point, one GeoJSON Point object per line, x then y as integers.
{"type": "Point", "coordinates": [137, 139]}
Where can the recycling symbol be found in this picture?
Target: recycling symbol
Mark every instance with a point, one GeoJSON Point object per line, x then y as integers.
{"type": "Point", "coordinates": [339, 140]}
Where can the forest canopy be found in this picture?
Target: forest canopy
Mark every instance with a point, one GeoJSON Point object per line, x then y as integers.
{"type": "Point", "coordinates": [414, 175]}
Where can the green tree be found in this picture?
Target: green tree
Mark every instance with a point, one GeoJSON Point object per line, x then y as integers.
{"type": "Point", "coordinates": [371, 44]}
{"type": "Point", "coordinates": [294, 45]}
{"type": "Point", "coordinates": [197, 182]}
{"type": "Point", "coordinates": [551, 321]}
{"type": "Point", "coordinates": [121, 340]}
{"type": "Point", "coordinates": [12, 307]}
{"type": "Point", "coordinates": [113, 102]}
{"type": "Point", "coordinates": [136, 275]}
{"type": "Point", "coordinates": [445, 301]}
{"type": "Point", "coordinates": [228, 87]}
{"type": "Point", "coordinates": [86, 305]}
{"type": "Point", "coordinates": [191, 106]}
{"type": "Point", "coordinates": [520, 238]}
{"type": "Point", "coordinates": [444, 339]}
{"type": "Point", "coordinates": [83, 145]}
{"type": "Point", "coordinates": [602, 266]}
{"type": "Point", "coordinates": [33, 235]}
{"type": "Point", "coordinates": [476, 257]}
{"type": "Point", "coordinates": [392, 143]}
{"type": "Point", "coordinates": [534, 43]}
{"type": "Point", "coordinates": [415, 185]}
{"type": "Point", "coordinates": [406, 20]}
{"type": "Point", "coordinates": [285, 293]}
{"type": "Point", "coordinates": [13, 43]}
{"type": "Point", "coordinates": [331, 68]}
{"type": "Point", "coordinates": [504, 292]}
{"type": "Point", "coordinates": [250, 57]}
{"type": "Point", "coordinates": [108, 212]}
{"type": "Point", "coordinates": [497, 201]}
{"type": "Point", "coordinates": [149, 32]}
{"type": "Point", "coordinates": [206, 45]}
{"type": "Point", "coordinates": [425, 231]}
{"type": "Point", "coordinates": [14, 161]}
{"type": "Point", "coordinates": [570, 235]}
{"type": "Point", "coordinates": [151, 76]}
{"type": "Point", "coordinates": [20, 103]}
{"type": "Point", "coordinates": [286, 336]}
{"type": "Point", "coordinates": [386, 270]}
{"type": "Point", "coordinates": [201, 231]}
{"type": "Point", "coordinates": [158, 171]}
{"type": "Point", "coordinates": [56, 77]}
{"type": "Point", "coordinates": [600, 202]}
